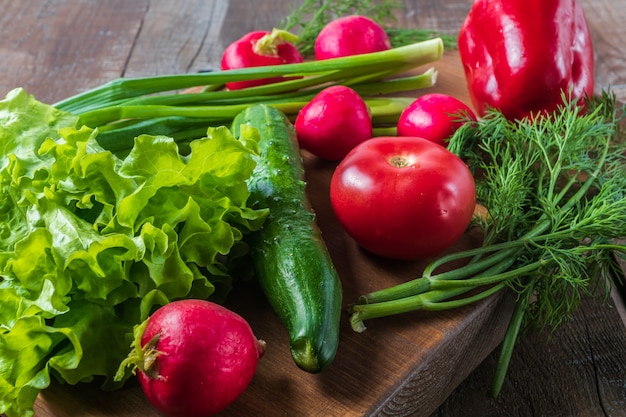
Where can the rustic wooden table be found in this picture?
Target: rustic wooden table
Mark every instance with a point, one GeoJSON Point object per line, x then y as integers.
{"type": "Point", "coordinates": [57, 48]}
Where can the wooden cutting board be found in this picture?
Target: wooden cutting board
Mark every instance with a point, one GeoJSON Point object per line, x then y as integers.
{"type": "Point", "coordinates": [402, 366]}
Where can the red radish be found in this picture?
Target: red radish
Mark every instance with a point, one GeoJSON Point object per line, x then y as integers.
{"type": "Point", "coordinates": [196, 357]}
{"type": "Point", "coordinates": [350, 35]}
{"type": "Point", "coordinates": [333, 122]}
{"type": "Point", "coordinates": [258, 49]}
{"type": "Point", "coordinates": [434, 117]}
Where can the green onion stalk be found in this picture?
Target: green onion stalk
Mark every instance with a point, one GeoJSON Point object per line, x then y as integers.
{"type": "Point", "coordinates": [555, 191]}
{"type": "Point", "coordinates": [183, 105]}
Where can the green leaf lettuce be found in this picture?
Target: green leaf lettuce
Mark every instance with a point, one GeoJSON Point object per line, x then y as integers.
{"type": "Point", "coordinates": [91, 243]}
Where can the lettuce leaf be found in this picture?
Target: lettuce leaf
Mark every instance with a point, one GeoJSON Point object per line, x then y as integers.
{"type": "Point", "coordinates": [91, 243]}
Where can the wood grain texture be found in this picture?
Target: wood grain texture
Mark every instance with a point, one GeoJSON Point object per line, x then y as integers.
{"type": "Point", "coordinates": [178, 39]}
{"type": "Point", "coordinates": [575, 372]}
{"type": "Point", "coordinates": [606, 23]}
{"type": "Point", "coordinates": [402, 367]}
{"type": "Point", "coordinates": [56, 48]}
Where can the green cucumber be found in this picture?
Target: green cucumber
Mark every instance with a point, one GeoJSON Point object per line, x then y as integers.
{"type": "Point", "coordinates": [290, 258]}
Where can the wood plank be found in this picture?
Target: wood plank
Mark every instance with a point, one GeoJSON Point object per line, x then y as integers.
{"type": "Point", "coordinates": [183, 39]}
{"type": "Point", "coordinates": [606, 23]}
{"type": "Point", "coordinates": [55, 49]}
{"type": "Point", "coordinates": [575, 372]}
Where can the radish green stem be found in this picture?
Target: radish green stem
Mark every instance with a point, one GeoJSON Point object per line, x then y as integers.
{"type": "Point", "coordinates": [268, 44]}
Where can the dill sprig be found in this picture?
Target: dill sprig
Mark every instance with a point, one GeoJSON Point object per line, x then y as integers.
{"type": "Point", "coordinates": [555, 192]}
{"type": "Point", "coordinates": [311, 16]}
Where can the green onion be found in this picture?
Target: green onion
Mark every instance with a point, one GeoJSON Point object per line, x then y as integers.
{"type": "Point", "coordinates": [130, 106]}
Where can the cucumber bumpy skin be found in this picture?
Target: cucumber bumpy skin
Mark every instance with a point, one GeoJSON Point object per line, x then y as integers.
{"type": "Point", "coordinates": [291, 261]}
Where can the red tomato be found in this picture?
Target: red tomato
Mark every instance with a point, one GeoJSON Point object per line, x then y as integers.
{"type": "Point", "coordinates": [434, 117]}
{"type": "Point", "coordinates": [403, 197]}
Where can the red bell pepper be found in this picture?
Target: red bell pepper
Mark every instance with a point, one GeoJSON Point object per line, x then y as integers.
{"type": "Point", "coordinates": [520, 56]}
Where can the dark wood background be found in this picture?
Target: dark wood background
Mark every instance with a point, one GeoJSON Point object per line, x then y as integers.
{"type": "Point", "coordinates": [57, 48]}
